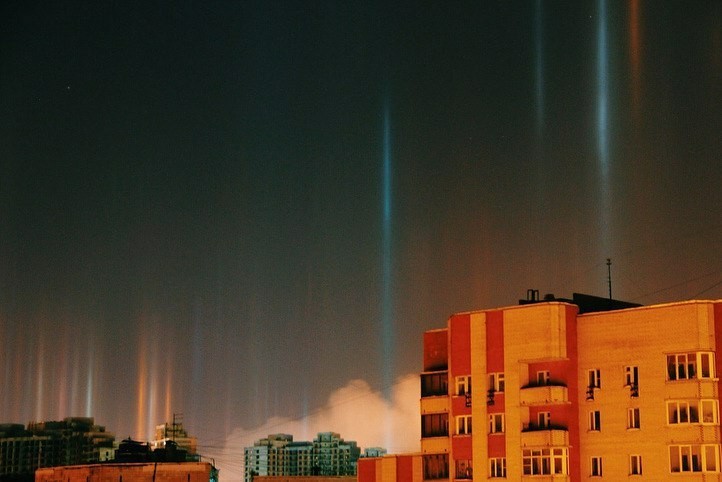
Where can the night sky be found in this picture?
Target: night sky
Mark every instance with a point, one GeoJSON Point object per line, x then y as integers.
{"type": "Point", "coordinates": [238, 211]}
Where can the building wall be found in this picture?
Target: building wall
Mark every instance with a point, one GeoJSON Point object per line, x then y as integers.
{"type": "Point", "coordinates": [141, 472]}
{"type": "Point", "coordinates": [634, 408]}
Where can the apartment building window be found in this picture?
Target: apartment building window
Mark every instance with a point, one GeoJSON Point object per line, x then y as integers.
{"type": "Point", "coordinates": [496, 382]}
{"type": "Point", "coordinates": [542, 377]}
{"type": "Point", "coordinates": [631, 376]}
{"type": "Point", "coordinates": [434, 384]}
{"type": "Point", "coordinates": [544, 419]}
{"type": "Point", "coordinates": [635, 465]}
{"type": "Point", "coordinates": [687, 366]}
{"type": "Point", "coordinates": [684, 411]}
{"type": "Point", "coordinates": [496, 423]}
{"type": "Point", "coordinates": [595, 421]}
{"type": "Point", "coordinates": [596, 467]}
{"type": "Point", "coordinates": [436, 466]}
{"type": "Point", "coordinates": [463, 469]}
{"type": "Point", "coordinates": [549, 461]}
{"type": "Point", "coordinates": [435, 425]}
{"type": "Point", "coordinates": [497, 467]}
{"type": "Point", "coordinates": [694, 458]}
{"type": "Point", "coordinates": [463, 424]}
{"type": "Point", "coordinates": [594, 378]}
{"type": "Point", "coordinates": [632, 418]}
{"type": "Point", "coordinates": [463, 385]}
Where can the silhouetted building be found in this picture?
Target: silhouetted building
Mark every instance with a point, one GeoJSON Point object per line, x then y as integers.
{"type": "Point", "coordinates": [74, 440]}
{"type": "Point", "coordinates": [175, 433]}
{"type": "Point", "coordinates": [553, 390]}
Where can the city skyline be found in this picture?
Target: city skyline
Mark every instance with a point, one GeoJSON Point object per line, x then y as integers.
{"type": "Point", "coordinates": [250, 212]}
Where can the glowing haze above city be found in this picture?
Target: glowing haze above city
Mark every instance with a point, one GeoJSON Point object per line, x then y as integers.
{"type": "Point", "coordinates": [248, 213]}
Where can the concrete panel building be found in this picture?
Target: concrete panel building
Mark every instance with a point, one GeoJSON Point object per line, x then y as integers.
{"type": "Point", "coordinates": [568, 389]}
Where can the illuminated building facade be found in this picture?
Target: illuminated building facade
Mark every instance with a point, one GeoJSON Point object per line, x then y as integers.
{"type": "Point", "coordinates": [131, 472]}
{"type": "Point", "coordinates": [74, 440]}
{"type": "Point", "coordinates": [568, 390]}
{"type": "Point", "coordinates": [279, 455]}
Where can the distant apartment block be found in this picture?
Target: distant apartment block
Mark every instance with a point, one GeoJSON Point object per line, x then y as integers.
{"type": "Point", "coordinates": [568, 390]}
{"type": "Point", "coordinates": [278, 455]}
{"type": "Point", "coordinates": [75, 440]}
{"type": "Point", "coordinates": [175, 433]}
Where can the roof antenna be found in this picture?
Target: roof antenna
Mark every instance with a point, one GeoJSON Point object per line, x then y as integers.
{"type": "Point", "coordinates": [609, 276]}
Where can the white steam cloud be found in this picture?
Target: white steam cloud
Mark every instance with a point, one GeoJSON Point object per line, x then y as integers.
{"type": "Point", "coordinates": [354, 411]}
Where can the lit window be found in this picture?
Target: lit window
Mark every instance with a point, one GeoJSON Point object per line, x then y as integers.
{"type": "Point", "coordinates": [595, 421]}
{"type": "Point", "coordinates": [496, 423]}
{"type": "Point", "coordinates": [594, 378]}
{"type": "Point", "coordinates": [635, 465]}
{"type": "Point", "coordinates": [633, 418]}
{"type": "Point", "coordinates": [545, 461]}
{"type": "Point", "coordinates": [497, 467]}
{"type": "Point", "coordinates": [496, 382]}
{"type": "Point", "coordinates": [687, 366]}
{"type": "Point", "coordinates": [596, 467]}
{"type": "Point", "coordinates": [463, 424]}
{"type": "Point", "coordinates": [694, 458]}
{"type": "Point", "coordinates": [463, 385]}
{"type": "Point", "coordinates": [542, 377]}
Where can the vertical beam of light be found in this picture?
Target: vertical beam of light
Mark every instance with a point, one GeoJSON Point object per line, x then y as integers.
{"type": "Point", "coordinates": [39, 381]}
{"type": "Point", "coordinates": [89, 385]}
{"type": "Point", "coordinates": [634, 57]}
{"type": "Point", "coordinates": [539, 67]}
{"type": "Point", "coordinates": [603, 121]}
{"type": "Point", "coordinates": [387, 328]}
{"type": "Point", "coordinates": [140, 415]}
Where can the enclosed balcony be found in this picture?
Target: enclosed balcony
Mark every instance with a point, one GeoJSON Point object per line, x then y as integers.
{"type": "Point", "coordinates": [534, 435]}
{"type": "Point", "coordinates": [545, 394]}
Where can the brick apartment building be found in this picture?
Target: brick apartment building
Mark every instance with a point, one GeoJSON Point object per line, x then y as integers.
{"type": "Point", "coordinates": [568, 390]}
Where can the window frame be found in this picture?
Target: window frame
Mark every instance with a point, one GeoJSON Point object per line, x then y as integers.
{"type": "Point", "coordinates": [544, 419]}
{"type": "Point", "coordinates": [594, 378]}
{"type": "Point", "coordinates": [543, 378]}
{"type": "Point", "coordinates": [686, 453]}
{"type": "Point", "coordinates": [463, 425]}
{"type": "Point", "coordinates": [497, 423]}
{"type": "Point", "coordinates": [693, 365]}
{"type": "Point", "coordinates": [497, 467]}
{"type": "Point", "coordinates": [595, 466]}
{"type": "Point", "coordinates": [635, 464]}
{"type": "Point", "coordinates": [633, 418]}
{"type": "Point", "coordinates": [545, 461]}
{"type": "Point", "coordinates": [462, 385]}
{"type": "Point", "coordinates": [496, 382]}
{"type": "Point", "coordinates": [595, 421]}
{"type": "Point", "coordinates": [631, 376]}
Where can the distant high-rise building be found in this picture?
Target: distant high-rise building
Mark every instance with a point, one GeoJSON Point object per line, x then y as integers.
{"type": "Point", "coordinates": [279, 455]}
{"type": "Point", "coordinates": [72, 441]}
{"type": "Point", "coordinates": [174, 432]}
{"type": "Point", "coordinates": [568, 390]}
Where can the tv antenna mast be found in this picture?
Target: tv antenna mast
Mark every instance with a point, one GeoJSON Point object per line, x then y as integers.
{"type": "Point", "coordinates": [609, 276]}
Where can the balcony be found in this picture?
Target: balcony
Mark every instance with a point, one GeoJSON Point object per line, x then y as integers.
{"type": "Point", "coordinates": [543, 395]}
{"type": "Point", "coordinates": [533, 435]}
